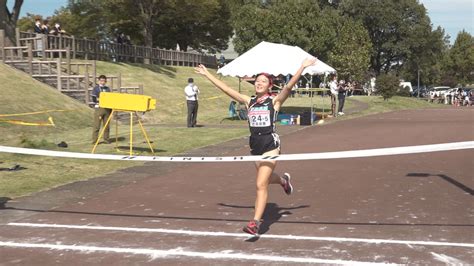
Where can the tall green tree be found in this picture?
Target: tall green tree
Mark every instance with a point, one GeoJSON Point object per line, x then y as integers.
{"type": "Point", "coordinates": [351, 52]}
{"type": "Point", "coordinates": [9, 18]}
{"type": "Point", "coordinates": [199, 25]}
{"type": "Point", "coordinates": [393, 26]}
{"type": "Point", "coordinates": [460, 59]}
{"type": "Point", "coordinates": [425, 58]}
{"type": "Point", "coordinates": [85, 19]}
{"type": "Point", "coordinates": [300, 23]}
{"type": "Point", "coordinates": [137, 14]}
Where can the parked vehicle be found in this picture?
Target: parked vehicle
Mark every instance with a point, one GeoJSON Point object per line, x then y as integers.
{"type": "Point", "coordinates": [423, 92]}
{"type": "Point", "coordinates": [404, 84]}
{"type": "Point", "coordinates": [439, 90]}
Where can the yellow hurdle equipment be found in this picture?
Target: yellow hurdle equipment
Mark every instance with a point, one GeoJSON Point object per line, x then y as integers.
{"type": "Point", "coordinates": [127, 102]}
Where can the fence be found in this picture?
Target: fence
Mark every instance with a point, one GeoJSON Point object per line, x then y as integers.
{"type": "Point", "coordinates": [54, 67]}
{"type": "Point", "coordinates": [109, 51]}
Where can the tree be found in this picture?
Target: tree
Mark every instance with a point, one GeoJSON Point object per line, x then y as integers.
{"type": "Point", "coordinates": [137, 14]}
{"type": "Point", "coordinates": [427, 56]}
{"type": "Point", "coordinates": [200, 25]}
{"type": "Point", "coordinates": [394, 27]}
{"type": "Point", "coordinates": [300, 23]}
{"type": "Point", "coordinates": [387, 85]}
{"type": "Point", "coordinates": [351, 52]}
{"type": "Point", "coordinates": [9, 18]}
{"type": "Point", "coordinates": [461, 59]}
{"type": "Point", "coordinates": [83, 19]}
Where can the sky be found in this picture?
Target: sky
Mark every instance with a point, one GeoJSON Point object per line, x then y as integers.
{"type": "Point", "coordinates": [452, 15]}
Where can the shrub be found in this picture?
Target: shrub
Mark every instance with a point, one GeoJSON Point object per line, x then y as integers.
{"type": "Point", "coordinates": [404, 91]}
{"type": "Point", "coordinates": [387, 85]}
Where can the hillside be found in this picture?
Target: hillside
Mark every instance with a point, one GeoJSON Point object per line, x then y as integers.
{"type": "Point", "coordinates": [21, 94]}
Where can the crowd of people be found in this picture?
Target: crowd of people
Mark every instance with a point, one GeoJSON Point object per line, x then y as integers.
{"type": "Point", "coordinates": [456, 97]}
{"type": "Point", "coordinates": [43, 27]}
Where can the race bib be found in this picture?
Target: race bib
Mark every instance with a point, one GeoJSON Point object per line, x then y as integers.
{"type": "Point", "coordinates": [259, 118]}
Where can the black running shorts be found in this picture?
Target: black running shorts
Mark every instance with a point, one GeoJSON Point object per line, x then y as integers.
{"type": "Point", "coordinates": [260, 144]}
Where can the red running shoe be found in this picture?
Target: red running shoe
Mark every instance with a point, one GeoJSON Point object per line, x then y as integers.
{"type": "Point", "coordinates": [287, 187]}
{"type": "Point", "coordinates": [251, 227]}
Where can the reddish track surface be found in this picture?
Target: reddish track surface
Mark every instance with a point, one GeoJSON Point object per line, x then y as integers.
{"type": "Point", "coordinates": [421, 197]}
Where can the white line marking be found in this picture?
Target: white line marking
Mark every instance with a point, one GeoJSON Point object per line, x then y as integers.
{"type": "Point", "coordinates": [157, 253]}
{"type": "Point", "coordinates": [205, 233]}
{"type": "Point", "coordinates": [285, 157]}
{"type": "Point", "coordinates": [447, 259]}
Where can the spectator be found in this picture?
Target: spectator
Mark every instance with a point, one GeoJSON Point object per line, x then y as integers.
{"type": "Point", "coordinates": [221, 61]}
{"type": "Point", "coordinates": [101, 115]}
{"type": "Point", "coordinates": [432, 96]}
{"type": "Point", "coordinates": [465, 97]}
{"type": "Point", "coordinates": [341, 96]}
{"type": "Point", "coordinates": [45, 27]}
{"type": "Point", "coordinates": [127, 40]}
{"type": "Point", "coordinates": [37, 27]}
{"type": "Point", "coordinates": [120, 38]}
{"type": "Point", "coordinates": [191, 92]}
{"type": "Point", "coordinates": [57, 29]}
{"type": "Point", "coordinates": [333, 90]}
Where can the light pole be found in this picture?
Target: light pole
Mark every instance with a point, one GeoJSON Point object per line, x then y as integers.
{"type": "Point", "coordinates": [418, 83]}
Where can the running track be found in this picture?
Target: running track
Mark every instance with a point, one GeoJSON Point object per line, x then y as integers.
{"type": "Point", "coordinates": [406, 209]}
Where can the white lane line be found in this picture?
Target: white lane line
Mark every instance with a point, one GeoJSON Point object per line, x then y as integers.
{"type": "Point", "coordinates": [179, 252]}
{"type": "Point", "coordinates": [284, 157]}
{"type": "Point", "coordinates": [224, 234]}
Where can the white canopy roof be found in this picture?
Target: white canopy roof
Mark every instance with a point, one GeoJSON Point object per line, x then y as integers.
{"type": "Point", "coordinates": [272, 58]}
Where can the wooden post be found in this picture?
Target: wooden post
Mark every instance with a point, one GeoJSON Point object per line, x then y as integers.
{"type": "Point", "coordinates": [73, 47]}
{"type": "Point", "coordinates": [119, 81]}
{"type": "Point", "coordinates": [58, 69]}
{"type": "Point", "coordinates": [146, 58]}
{"type": "Point", "coordinates": [43, 46]}
{"type": "Point", "coordinates": [140, 88]}
{"type": "Point", "coordinates": [68, 60]}
{"type": "Point", "coordinates": [2, 44]}
{"type": "Point", "coordinates": [60, 39]}
{"type": "Point", "coordinates": [30, 58]}
{"type": "Point", "coordinates": [86, 87]}
{"type": "Point", "coordinates": [94, 73]}
{"type": "Point", "coordinates": [134, 54]}
{"type": "Point", "coordinates": [17, 35]}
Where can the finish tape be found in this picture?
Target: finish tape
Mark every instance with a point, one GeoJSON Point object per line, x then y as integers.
{"type": "Point", "coordinates": [284, 157]}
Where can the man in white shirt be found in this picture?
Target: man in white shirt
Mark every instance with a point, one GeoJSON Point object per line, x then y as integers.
{"type": "Point", "coordinates": [191, 92]}
{"type": "Point", "coordinates": [333, 87]}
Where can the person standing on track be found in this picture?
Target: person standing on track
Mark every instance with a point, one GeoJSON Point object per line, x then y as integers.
{"type": "Point", "coordinates": [262, 113]}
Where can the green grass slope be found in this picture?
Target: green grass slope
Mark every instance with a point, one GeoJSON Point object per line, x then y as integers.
{"type": "Point", "coordinates": [22, 94]}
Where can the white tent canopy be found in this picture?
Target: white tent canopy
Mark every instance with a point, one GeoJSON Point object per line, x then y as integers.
{"type": "Point", "coordinates": [273, 58]}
